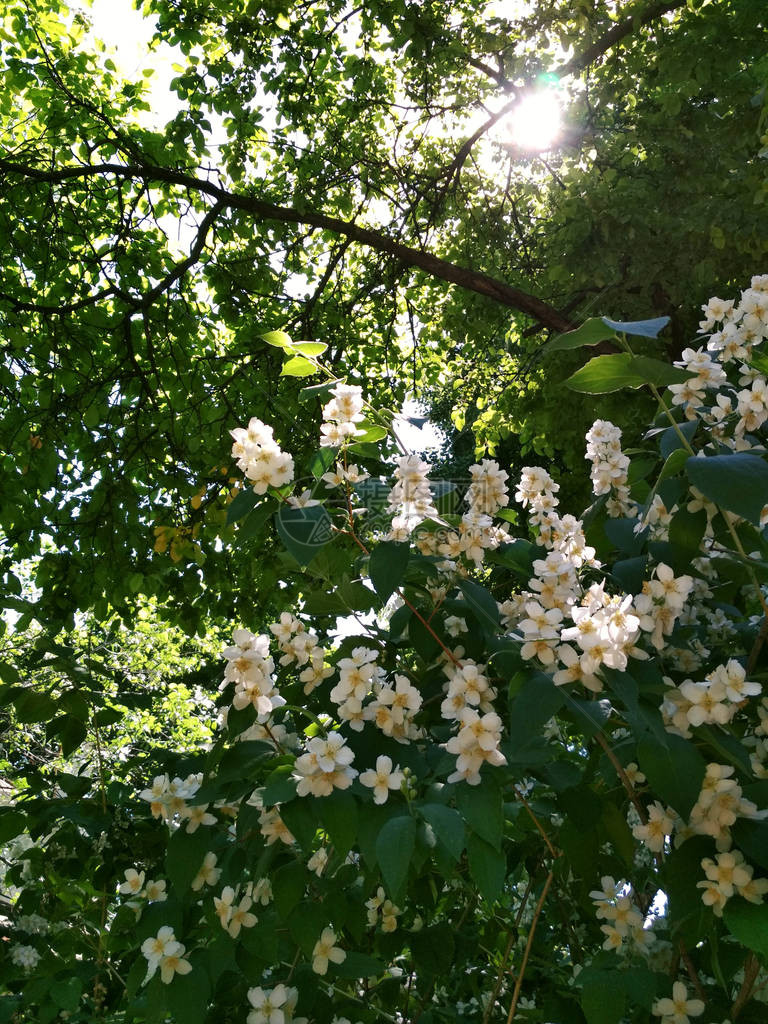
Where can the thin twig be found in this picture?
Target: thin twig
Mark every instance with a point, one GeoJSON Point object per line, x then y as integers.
{"type": "Point", "coordinates": [529, 943]}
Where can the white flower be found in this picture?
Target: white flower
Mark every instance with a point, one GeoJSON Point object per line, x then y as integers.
{"type": "Point", "coordinates": [133, 882]}
{"type": "Point", "coordinates": [173, 963]}
{"type": "Point", "coordinates": [208, 873]}
{"type": "Point", "coordinates": [157, 948]}
{"type": "Point", "coordinates": [382, 779]}
{"type": "Point", "coordinates": [326, 951]}
{"type": "Point", "coordinates": [677, 1009]}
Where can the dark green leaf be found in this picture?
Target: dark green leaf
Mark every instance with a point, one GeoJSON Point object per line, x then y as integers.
{"type": "Point", "coordinates": [387, 566]}
{"type": "Point", "coordinates": [736, 482]}
{"type": "Point", "coordinates": [448, 826]}
{"type": "Point", "coordinates": [304, 531]}
{"type": "Point", "coordinates": [484, 607]}
{"type": "Point", "coordinates": [482, 809]}
{"type": "Point", "coordinates": [241, 504]}
{"type": "Point", "coordinates": [675, 772]}
{"type": "Point", "coordinates": [394, 849]}
{"type": "Point", "coordinates": [748, 922]}
{"type": "Point", "coordinates": [433, 949]}
{"type": "Point", "coordinates": [603, 998]}
{"type": "Point", "coordinates": [487, 866]}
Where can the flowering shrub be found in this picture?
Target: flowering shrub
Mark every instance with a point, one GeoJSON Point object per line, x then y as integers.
{"type": "Point", "coordinates": [410, 822]}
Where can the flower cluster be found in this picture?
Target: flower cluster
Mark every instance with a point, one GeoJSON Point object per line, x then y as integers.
{"type": "Point", "coordinates": [713, 701]}
{"type": "Point", "coordinates": [250, 667]}
{"type": "Point", "coordinates": [173, 801]}
{"type": "Point", "coordinates": [260, 458]}
{"type": "Point", "coordinates": [324, 766]}
{"type": "Point", "coordinates": [165, 952]}
{"type": "Point", "coordinates": [410, 500]}
{"type": "Point", "coordinates": [235, 915]}
{"type": "Point", "coordinates": [728, 875]}
{"type": "Point", "coordinates": [609, 468]}
{"type": "Point", "coordinates": [274, 1005]}
{"type": "Point", "coordinates": [719, 804]}
{"type": "Point", "coordinates": [26, 957]}
{"type": "Point", "coordinates": [300, 646]}
{"type": "Point", "coordinates": [341, 415]}
{"type": "Point", "coordinates": [613, 904]}
{"type": "Point", "coordinates": [381, 909]}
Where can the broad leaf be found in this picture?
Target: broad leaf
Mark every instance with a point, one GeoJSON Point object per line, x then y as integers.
{"type": "Point", "coordinates": [448, 826]}
{"type": "Point", "coordinates": [675, 772]}
{"type": "Point", "coordinates": [387, 566]}
{"type": "Point", "coordinates": [394, 849]}
{"type": "Point", "coordinates": [304, 531]}
{"type": "Point", "coordinates": [737, 482]}
{"type": "Point", "coordinates": [748, 922]}
{"type": "Point", "coordinates": [298, 366]}
{"type": "Point", "coordinates": [591, 332]}
{"type": "Point", "coordinates": [487, 866]}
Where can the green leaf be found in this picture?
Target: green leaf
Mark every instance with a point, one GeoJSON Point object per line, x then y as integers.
{"type": "Point", "coordinates": [241, 504]}
{"type": "Point", "coordinates": [671, 441]}
{"type": "Point", "coordinates": [278, 339]}
{"type": "Point", "coordinates": [686, 532]}
{"type": "Point", "coordinates": [591, 332]}
{"type": "Point", "coordinates": [304, 531]}
{"type": "Point", "coordinates": [737, 482]}
{"type": "Point", "coordinates": [184, 857]}
{"type": "Point", "coordinates": [358, 965]}
{"type": "Point", "coordinates": [309, 348]}
{"type": "Point", "coordinates": [483, 810]}
{"type": "Point", "coordinates": [673, 464]}
{"type": "Point", "coordinates": [638, 328]}
{"type": "Point", "coordinates": [301, 820]}
{"type": "Point", "coordinates": [71, 733]}
{"type": "Point", "coordinates": [482, 604]}
{"type": "Point", "coordinates": [338, 813]}
{"type": "Point", "coordinates": [448, 826]}
{"type": "Point", "coordinates": [604, 374]}
{"type": "Point", "coordinates": [34, 707]}
{"type": "Point", "coordinates": [309, 394]}
{"type": "Point", "coordinates": [433, 949]}
{"type": "Point", "coordinates": [394, 849]}
{"type": "Point", "coordinates": [655, 371]}
{"type": "Point", "coordinates": [387, 566]}
{"type": "Point", "coordinates": [675, 772]}
{"type": "Point", "coordinates": [288, 885]}
{"type": "Point", "coordinates": [487, 866]}
{"type": "Point", "coordinates": [603, 998]}
{"type": "Point", "coordinates": [66, 994]}
{"type": "Point", "coordinates": [748, 922]}
{"type": "Point", "coordinates": [298, 366]}
{"type": "Point", "coordinates": [188, 996]}
{"type": "Point", "coordinates": [12, 824]}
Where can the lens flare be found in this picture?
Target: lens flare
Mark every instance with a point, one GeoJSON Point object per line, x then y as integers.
{"type": "Point", "coordinates": [535, 124]}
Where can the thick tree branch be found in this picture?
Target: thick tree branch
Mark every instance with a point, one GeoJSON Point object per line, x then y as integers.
{"type": "Point", "coordinates": [616, 34]}
{"type": "Point", "coordinates": [475, 281]}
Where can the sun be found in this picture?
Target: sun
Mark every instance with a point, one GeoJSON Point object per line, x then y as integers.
{"type": "Point", "coordinates": [535, 124]}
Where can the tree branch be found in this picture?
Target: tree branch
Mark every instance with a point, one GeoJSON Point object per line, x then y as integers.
{"type": "Point", "coordinates": [614, 35]}
{"type": "Point", "coordinates": [464, 277]}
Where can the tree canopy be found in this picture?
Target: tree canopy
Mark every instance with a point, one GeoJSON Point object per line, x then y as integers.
{"type": "Point", "coordinates": [353, 192]}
